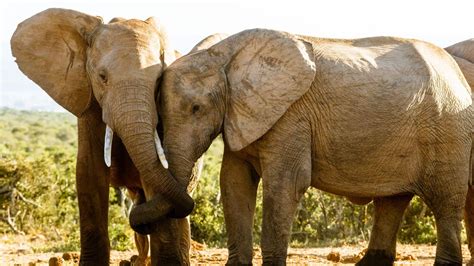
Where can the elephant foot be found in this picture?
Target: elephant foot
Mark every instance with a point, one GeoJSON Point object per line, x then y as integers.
{"type": "Point", "coordinates": [274, 262]}
{"type": "Point", "coordinates": [166, 261]}
{"type": "Point", "coordinates": [138, 260]}
{"type": "Point", "coordinates": [233, 260]}
{"type": "Point", "coordinates": [376, 257]}
{"type": "Point", "coordinates": [449, 263]}
{"type": "Point", "coordinates": [86, 262]}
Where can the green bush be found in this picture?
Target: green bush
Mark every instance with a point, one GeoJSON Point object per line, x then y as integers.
{"type": "Point", "coordinates": [38, 162]}
{"type": "Point", "coordinates": [37, 159]}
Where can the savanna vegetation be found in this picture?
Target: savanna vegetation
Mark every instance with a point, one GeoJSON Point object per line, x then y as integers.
{"type": "Point", "coordinates": [37, 195]}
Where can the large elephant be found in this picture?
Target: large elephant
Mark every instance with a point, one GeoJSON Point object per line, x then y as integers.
{"type": "Point", "coordinates": [463, 54]}
{"type": "Point", "coordinates": [106, 75]}
{"type": "Point", "coordinates": [389, 211]}
{"type": "Point", "coordinates": [364, 118]}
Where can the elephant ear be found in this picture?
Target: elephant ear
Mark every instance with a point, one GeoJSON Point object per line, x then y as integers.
{"type": "Point", "coordinates": [167, 53]}
{"type": "Point", "coordinates": [50, 48]}
{"type": "Point", "coordinates": [267, 74]}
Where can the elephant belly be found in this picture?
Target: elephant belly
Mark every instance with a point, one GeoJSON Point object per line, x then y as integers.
{"type": "Point", "coordinates": [366, 175]}
{"type": "Point", "coordinates": [365, 147]}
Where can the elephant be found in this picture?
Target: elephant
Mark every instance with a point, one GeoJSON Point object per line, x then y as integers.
{"type": "Point", "coordinates": [208, 42]}
{"type": "Point", "coordinates": [106, 75]}
{"type": "Point", "coordinates": [463, 54]}
{"type": "Point", "coordinates": [362, 118]}
{"type": "Point", "coordinates": [389, 211]}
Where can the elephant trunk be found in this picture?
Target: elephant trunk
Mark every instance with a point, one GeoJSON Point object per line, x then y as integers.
{"type": "Point", "coordinates": [143, 216]}
{"type": "Point", "coordinates": [135, 122]}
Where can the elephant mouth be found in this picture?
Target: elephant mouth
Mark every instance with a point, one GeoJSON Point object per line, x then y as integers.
{"type": "Point", "coordinates": [109, 134]}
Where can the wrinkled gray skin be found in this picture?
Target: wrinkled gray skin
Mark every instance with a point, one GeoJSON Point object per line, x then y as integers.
{"type": "Point", "coordinates": [365, 118]}
{"type": "Point", "coordinates": [105, 74]}
{"type": "Point", "coordinates": [389, 211]}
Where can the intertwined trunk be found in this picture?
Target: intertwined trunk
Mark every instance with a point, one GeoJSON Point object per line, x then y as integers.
{"type": "Point", "coordinates": [134, 120]}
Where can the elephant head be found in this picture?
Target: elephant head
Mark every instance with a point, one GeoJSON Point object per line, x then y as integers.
{"type": "Point", "coordinates": [240, 86]}
{"type": "Point", "coordinates": [143, 216]}
{"type": "Point", "coordinates": [80, 62]}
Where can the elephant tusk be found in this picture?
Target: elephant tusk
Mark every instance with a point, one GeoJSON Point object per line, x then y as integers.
{"type": "Point", "coordinates": [200, 166]}
{"type": "Point", "coordinates": [160, 151]}
{"type": "Point", "coordinates": [109, 134]}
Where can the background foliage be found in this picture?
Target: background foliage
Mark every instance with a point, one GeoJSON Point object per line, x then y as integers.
{"type": "Point", "coordinates": [37, 190]}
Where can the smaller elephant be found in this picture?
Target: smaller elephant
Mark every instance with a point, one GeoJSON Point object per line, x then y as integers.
{"type": "Point", "coordinates": [364, 118]}
{"type": "Point", "coordinates": [389, 211]}
{"type": "Point", "coordinates": [179, 254]}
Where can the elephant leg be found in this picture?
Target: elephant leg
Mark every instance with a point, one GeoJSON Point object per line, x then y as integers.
{"type": "Point", "coordinates": [286, 171]}
{"type": "Point", "coordinates": [447, 199]}
{"type": "Point", "coordinates": [383, 239]}
{"type": "Point", "coordinates": [170, 243]}
{"type": "Point", "coordinates": [469, 222]}
{"type": "Point", "coordinates": [239, 183]}
{"type": "Point", "coordinates": [92, 183]}
{"type": "Point", "coordinates": [142, 244]}
{"type": "Point", "coordinates": [141, 241]}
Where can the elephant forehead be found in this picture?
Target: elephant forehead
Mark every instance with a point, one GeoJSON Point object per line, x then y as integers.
{"type": "Point", "coordinates": [128, 34]}
{"type": "Point", "coordinates": [113, 45]}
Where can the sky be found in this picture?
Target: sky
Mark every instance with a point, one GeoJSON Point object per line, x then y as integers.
{"type": "Point", "coordinates": [187, 22]}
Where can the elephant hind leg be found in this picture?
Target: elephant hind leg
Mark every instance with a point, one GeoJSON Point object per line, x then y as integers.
{"type": "Point", "coordinates": [141, 241]}
{"type": "Point", "coordinates": [447, 203]}
{"type": "Point", "coordinates": [387, 219]}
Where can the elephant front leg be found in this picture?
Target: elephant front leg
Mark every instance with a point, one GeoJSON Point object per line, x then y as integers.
{"type": "Point", "coordinates": [238, 182]}
{"type": "Point", "coordinates": [286, 175]}
{"type": "Point", "coordinates": [170, 243]}
{"type": "Point", "coordinates": [92, 184]}
{"type": "Point", "coordinates": [279, 206]}
{"type": "Point", "coordinates": [383, 238]}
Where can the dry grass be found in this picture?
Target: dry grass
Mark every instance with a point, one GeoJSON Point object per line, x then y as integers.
{"type": "Point", "coordinates": [20, 250]}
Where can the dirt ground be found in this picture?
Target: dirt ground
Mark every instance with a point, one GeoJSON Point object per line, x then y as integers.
{"type": "Point", "coordinates": [19, 251]}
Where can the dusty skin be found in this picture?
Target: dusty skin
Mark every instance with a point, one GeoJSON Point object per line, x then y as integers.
{"type": "Point", "coordinates": [18, 250]}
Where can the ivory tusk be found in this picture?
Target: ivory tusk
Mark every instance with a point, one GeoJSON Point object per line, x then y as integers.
{"type": "Point", "coordinates": [160, 151]}
{"type": "Point", "coordinates": [200, 166]}
{"type": "Point", "coordinates": [109, 134]}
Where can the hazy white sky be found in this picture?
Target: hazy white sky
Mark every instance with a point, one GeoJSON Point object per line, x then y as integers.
{"type": "Point", "coordinates": [440, 22]}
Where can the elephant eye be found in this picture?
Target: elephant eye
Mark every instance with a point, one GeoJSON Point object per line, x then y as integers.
{"type": "Point", "coordinates": [196, 108]}
{"type": "Point", "coordinates": [103, 76]}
